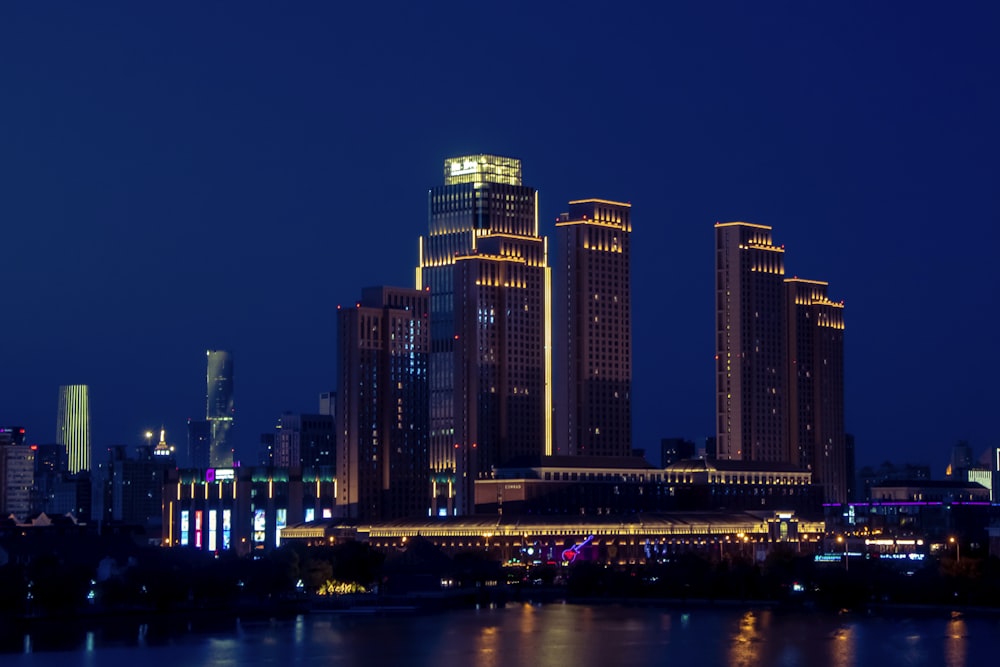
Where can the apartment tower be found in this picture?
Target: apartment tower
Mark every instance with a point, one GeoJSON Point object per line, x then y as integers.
{"type": "Point", "coordinates": [750, 345]}
{"type": "Point", "coordinates": [815, 329]}
{"type": "Point", "coordinates": [383, 466]}
{"type": "Point", "coordinates": [594, 313]}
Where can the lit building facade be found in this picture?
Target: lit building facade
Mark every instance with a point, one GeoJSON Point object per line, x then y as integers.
{"type": "Point", "coordinates": [815, 326]}
{"type": "Point", "coordinates": [304, 440]}
{"type": "Point", "coordinates": [242, 510]}
{"type": "Point", "coordinates": [383, 465]}
{"type": "Point", "coordinates": [219, 408]}
{"type": "Point", "coordinates": [486, 266]}
{"type": "Point", "coordinates": [620, 486]}
{"type": "Point", "coordinates": [73, 425]}
{"type": "Point", "coordinates": [594, 312]}
{"type": "Point", "coordinates": [751, 348]}
{"type": "Point", "coordinates": [18, 481]}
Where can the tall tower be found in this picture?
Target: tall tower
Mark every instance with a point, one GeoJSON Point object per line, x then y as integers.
{"type": "Point", "coordinates": [487, 270]}
{"type": "Point", "coordinates": [383, 469]}
{"type": "Point", "coordinates": [219, 410]}
{"type": "Point", "coordinates": [73, 425]}
{"type": "Point", "coordinates": [594, 313]}
{"type": "Point", "coordinates": [815, 326]}
{"type": "Point", "coordinates": [751, 348]}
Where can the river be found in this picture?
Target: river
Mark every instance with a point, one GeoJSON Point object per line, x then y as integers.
{"type": "Point", "coordinates": [531, 635]}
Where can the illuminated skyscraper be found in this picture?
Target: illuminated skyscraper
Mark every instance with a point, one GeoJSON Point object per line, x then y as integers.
{"type": "Point", "coordinates": [219, 410]}
{"type": "Point", "coordinates": [383, 469]}
{"type": "Point", "coordinates": [73, 425]}
{"type": "Point", "coordinates": [779, 361]}
{"type": "Point", "coordinates": [594, 312]}
{"type": "Point", "coordinates": [487, 269]}
{"type": "Point", "coordinates": [751, 348]}
{"type": "Point", "coordinates": [816, 385]}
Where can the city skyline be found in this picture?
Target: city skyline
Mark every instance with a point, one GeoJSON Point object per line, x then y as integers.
{"type": "Point", "coordinates": [136, 178]}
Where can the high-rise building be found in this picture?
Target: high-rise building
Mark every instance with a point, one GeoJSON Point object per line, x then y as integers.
{"type": "Point", "coordinates": [750, 345]}
{"type": "Point", "coordinates": [779, 361]}
{"type": "Point", "coordinates": [18, 481]}
{"type": "Point", "coordinates": [302, 440]}
{"type": "Point", "coordinates": [73, 425]}
{"type": "Point", "coordinates": [486, 266]}
{"type": "Point", "coordinates": [219, 410]}
{"type": "Point", "coordinates": [594, 315]}
{"type": "Point", "coordinates": [383, 469]}
{"type": "Point", "coordinates": [815, 327]}
{"type": "Point", "coordinates": [199, 442]}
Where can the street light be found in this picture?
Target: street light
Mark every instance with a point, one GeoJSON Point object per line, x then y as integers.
{"type": "Point", "coordinates": [841, 540]}
{"type": "Point", "coordinates": [958, 549]}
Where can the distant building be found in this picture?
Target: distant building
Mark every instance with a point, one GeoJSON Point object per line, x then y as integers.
{"type": "Point", "coordinates": [870, 476]}
{"type": "Point", "coordinates": [131, 488]}
{"type": "Point", "coordinates": [219, 408]}
{"type": "Point", "coordinates": [923, 509]}
{"type": "Point", "coordinates": [328, 403]}
{"type": "Point", "coordinates": [266, 449]}
{"type": "Point", "coordinates": [673, 450]}
{"type": "Point", "coordinates": [302, 440]}
{"type": "Point", "coordinates": [18, 481]}
{"type": "Point", "coordinates": [383, 469]}
{"type": "Point", "coordinates": [961, 460]}
{"type": "Point", "coordinates": [593, 307]}
{"type": "Point", "coordinates": [852, 473]}
{"type": "Point", "coordinates": [51, 466]}
{"type": "Point", "coordinates": [73, 425]}
{"type": "Point", "coordinates": [199, 433]}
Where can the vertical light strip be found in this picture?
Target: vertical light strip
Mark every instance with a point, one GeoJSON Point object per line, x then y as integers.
{"type": "Point", "coordinates": [547, 305]}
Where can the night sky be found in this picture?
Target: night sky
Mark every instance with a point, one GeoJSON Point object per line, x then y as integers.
{"type": "Point", "coordinates": [185, 177]}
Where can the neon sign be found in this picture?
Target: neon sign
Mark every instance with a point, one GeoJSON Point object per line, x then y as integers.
{"type": "Point", "coordinates": [569, 555]}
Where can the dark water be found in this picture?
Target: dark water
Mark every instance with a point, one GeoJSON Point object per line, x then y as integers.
{"type": "Point", "coordinates": [537, 636]}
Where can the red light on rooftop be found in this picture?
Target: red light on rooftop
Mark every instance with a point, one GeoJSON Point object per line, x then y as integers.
{"type": "Point", "coordinates": [33, 448]}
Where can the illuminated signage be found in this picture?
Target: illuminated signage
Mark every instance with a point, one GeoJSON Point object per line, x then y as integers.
{"type": "Point", "coordinates": [197, 529]}
{"type": "Point", "coordinates": [570, 555]}
{"type": "Point", "coordinates": [463, 167]}
{"type": "Point", "coordinates": [227, 527]}
{"type": "Point", "coordinates": [310, 514]}
{"type": "Point", "coordinates": [259, 526]}
{"type": "Point", "coordinates": [220, 475]}
{"type": "Point", "coordinates": [212, 534]}
{"type": "Point", "coordinates": [185, 527]}
{"type": "Point", "coordinates": [280, 521]}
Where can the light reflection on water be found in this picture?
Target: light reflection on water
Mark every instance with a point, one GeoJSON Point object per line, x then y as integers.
{"type": "Point", "coordinates": [538, 636]}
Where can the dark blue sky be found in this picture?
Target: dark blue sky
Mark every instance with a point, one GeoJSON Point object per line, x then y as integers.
{"type": "Point", "coordinates": [183, 177]}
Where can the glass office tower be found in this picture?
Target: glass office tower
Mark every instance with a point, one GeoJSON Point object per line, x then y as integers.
{"type": "Point", "coordinates": [483, 256]}
{"type": "Point", "coordinates": [219, 410]}
{"type": "Point", "coordinates": [73, 425]}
